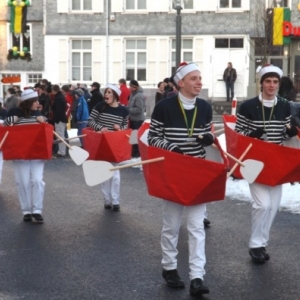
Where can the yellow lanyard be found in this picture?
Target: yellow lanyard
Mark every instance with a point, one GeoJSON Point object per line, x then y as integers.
{"type": "Point", "coordinates": [189, 130]}
{"type": "Point", "coordinates": [263, 113]}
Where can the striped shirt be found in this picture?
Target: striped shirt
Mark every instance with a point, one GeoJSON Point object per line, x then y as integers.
{"type": "Point", "coordinates": [250, 117]}
{"type": "Point", "coordinates": [105, 116]}
{"type": "Point", "coordinates": [168, 129]}
{"type": "Point", "coordinates": [15, 116]}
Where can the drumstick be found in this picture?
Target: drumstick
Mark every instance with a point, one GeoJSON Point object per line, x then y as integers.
{"type": "Point", "coordinates": [3, 139]}
{"type": "Point", "coordinates": [218, 131]}
{"type": "Point", "coordinates": [142, 162]}
{"type": "Point", "coordinates": [72, 138]}
{"type": "Point", "coordinates": [240, 158]}
{"type": "Point", "coordinates": [62, 140]}
{"type": "Point", "coordinates": [231, 156]}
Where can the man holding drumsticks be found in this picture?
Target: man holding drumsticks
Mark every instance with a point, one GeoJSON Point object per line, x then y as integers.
{"type": "Point", "coordinates": [176, 124]}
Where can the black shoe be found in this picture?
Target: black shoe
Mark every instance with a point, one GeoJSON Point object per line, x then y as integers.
{"type": "Point", "coordinates": [27, 218]}
{"type": "Point", "coordinates": [206, 223]}
{"type": "Point", "coordinates": [38, 218]}
{"type": "Point", "coordinates": [107, 206]}
{"type": "Point", "coordinates": [116, 207]}
{"type": "Point", "coordinates": [265, 253]}
{"type": "Point", "coordinates": [197, 288]}
{"type": "Point", "coordinates": [257, 255]}
{"type": "Point", "coordinates": [173, 279]}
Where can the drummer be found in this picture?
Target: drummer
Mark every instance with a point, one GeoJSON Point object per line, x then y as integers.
{"type": "Point", "coordinates": [28, 173]}
{"type": "Point", "coordinates": [175, 125]}
{"type": "Point", "coordinates": [266, 117]}
{"type": "Point", "coordinates": [110, 116]}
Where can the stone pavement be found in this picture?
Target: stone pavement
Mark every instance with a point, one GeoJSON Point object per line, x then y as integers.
{"type": "Point", "coordinates": [85, 252]}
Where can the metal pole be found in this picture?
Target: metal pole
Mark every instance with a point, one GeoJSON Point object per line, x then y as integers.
{"type": "Point", "coordinates": [178, 36]}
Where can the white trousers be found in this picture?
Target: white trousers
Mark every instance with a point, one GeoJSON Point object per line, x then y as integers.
{"type": "Point", "coordinates": [1, 165]}
{"type": "Point", "coordinates": [266, 201]}
{"type": "Point", "coordinates": [60, 130]}
{"type": "Point", "coordinates": [111, 189]}
{"type": "Point", "coordinates": [30, 185]}
{"type": "Point", "coordinates": [172, 215]}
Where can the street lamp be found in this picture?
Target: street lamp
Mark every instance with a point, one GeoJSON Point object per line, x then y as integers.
{"type": "Point", "coordinates": [178, 4]}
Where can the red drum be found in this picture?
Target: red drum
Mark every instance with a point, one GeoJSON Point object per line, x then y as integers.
{"type": "Point", "coordinates": [281, 163]}
{"type": "Point", "coordinates": [32, 141]}
{"type": "Point", "coordinates": [183, 179]}
{"type": "Point", "coordinates": [111, 146]}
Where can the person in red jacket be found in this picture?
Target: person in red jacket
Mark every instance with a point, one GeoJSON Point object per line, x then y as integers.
{"type": "Point", "coordinates": [69, 98]}
{"type": "Point", "coordinates": [125, 92]}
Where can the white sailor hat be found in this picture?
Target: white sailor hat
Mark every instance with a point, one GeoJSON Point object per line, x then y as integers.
{"type": "Point", "coordinates": [185, 69]}
{"type": "Point", "coordinates": [28, 94]}
{"type": "Point", "coordinates": [265, 71]}
{"type": "Point", "coordinates": [114, 87]}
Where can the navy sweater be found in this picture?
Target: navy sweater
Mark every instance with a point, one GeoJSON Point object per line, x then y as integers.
{"type": "Point", "coordinates": [168, 128]}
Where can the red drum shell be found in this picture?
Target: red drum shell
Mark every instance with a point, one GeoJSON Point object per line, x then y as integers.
{"type": "Point", "coordinates": [111, 146]}
{"type": "Point", "coordinates": [180, 178]}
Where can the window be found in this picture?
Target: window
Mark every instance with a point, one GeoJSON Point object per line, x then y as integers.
{"type": "Point", "coordinates": [136, 58]}
{"type": "Point", "coordinates": [34, 78]}
{"type": "Point", "coordinates": [186, 52]}
{"type": "Point", "coordinates": [81, 4]}
{"type": "Point", "coordinates": [230, 3]}
{"type": "Point", "coordinates": [136, 4]}
{"type": "Point", "coordinates": [273, 3]}
{"type": "Point", "coordinates": [81, 60]}
{"type": "Point", "coordinates": [188, 4]}
{"type": "Point", "coordinates": [229, 43]}
{"type": "Point", "coordinates": [20, 40]}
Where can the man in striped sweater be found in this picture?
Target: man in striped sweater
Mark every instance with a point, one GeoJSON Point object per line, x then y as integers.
{"type": "Point", "coordinates": [268, 118]}
{"type": "Point", "coordinates": [176, 124]}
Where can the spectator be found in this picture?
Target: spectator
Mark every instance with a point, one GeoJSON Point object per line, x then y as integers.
{"type": "Point", "coordinates": [82, 112]}
{"type": "Point", "coordinates": [229, 77]}
{"type": "Point", "coordinates": [59, 117]}
{"type": "Point", "coordinates": [125, 92]}
{"type": "Point", "coordinates": [44, 100]}
{"type": "Point", "coordinates": [160, 91]}
{"type": "Point", "coordinates": [136, 107]}
{"type": "Point", "coordinates": [87, 95]}
{"type": "Point", "coordinates": [12, 99]}
{"type": "Point", "coordinates": [96, 96]}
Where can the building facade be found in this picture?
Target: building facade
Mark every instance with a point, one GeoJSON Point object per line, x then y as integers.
{"type": "Point", "coordinates": [83, 41]}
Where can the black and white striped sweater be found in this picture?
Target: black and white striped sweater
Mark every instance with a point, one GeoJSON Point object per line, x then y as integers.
{"type": "Point", "coordinates": [15, 116]}
{"type": "Point", "coordinates": [168, 128]}
{"type": "Point", "coordinates": [104, 115]}
{"type": "Point", "coordinates": [250, 118]}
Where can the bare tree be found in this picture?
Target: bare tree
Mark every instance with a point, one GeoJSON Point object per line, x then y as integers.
{"type": "Point", "coordinates": [261, 34]}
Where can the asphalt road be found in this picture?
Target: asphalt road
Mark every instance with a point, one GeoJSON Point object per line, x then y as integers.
{"type": "Point", "coordinates": [85, 252]}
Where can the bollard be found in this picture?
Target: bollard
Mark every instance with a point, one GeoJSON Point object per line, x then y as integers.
{"type": "Point", "coordinates": [233, 106]}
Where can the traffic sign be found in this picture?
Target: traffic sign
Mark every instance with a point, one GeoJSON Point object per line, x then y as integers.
{"type": "Point", "coordinates": [11, 79]}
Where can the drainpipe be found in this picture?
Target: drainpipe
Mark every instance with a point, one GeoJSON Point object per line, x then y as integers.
{"type": "Point", "coordinates": [107, 41]}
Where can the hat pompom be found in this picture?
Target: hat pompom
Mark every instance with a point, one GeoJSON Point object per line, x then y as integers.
{"type": "Point", "coordinates": [183, 64]}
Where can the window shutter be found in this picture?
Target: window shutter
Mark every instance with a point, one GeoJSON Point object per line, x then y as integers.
{"type": "Point", "coordinates": [117, 55]}
{"type": "Point", "coordinates": [164, 53]}
{"type": "Point", "coordinates": [63, 61]}
{"type": "Point", "coordinates": [151, 60]}
{"type": "Point", "coordinates": [246, 5]}
{"type": "Point", "coordinates": [62, 6]}
{"type": "Point", "coordinates": [210, 5]}
{"type": "Point", "coordinates": [97, 6]}
{"type": "Point", "coordinates": [198, 54]}
{"type": "Point", "coordinates": [97, 60]}
{"type": "Point", "coordinates": [117, 6]}
{"type": "Point", "coordinates": [158, 6]}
